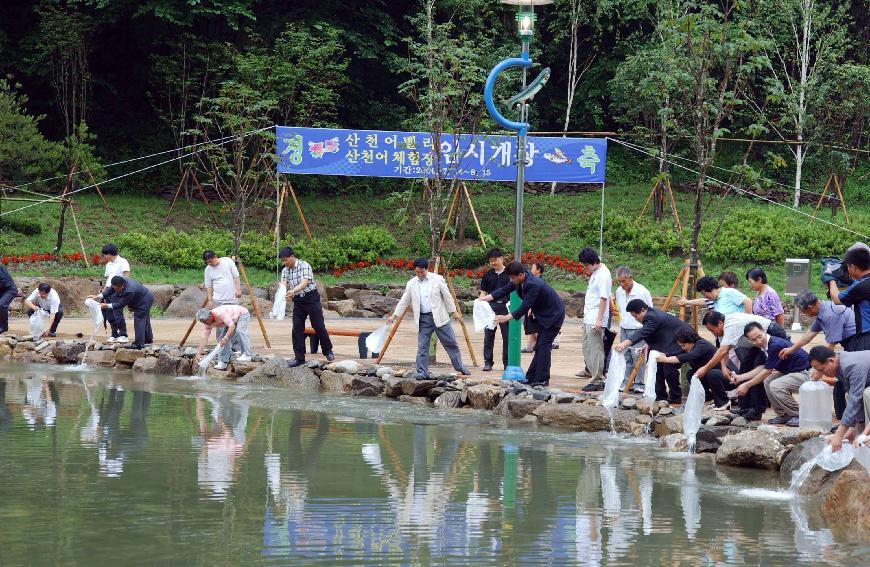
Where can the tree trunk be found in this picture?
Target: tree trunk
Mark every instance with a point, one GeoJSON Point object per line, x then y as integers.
{"type": "Point", "coordinates": [798, 171]}
{"type": "Point", "coordinates": [238, 220]}
{"type": "Point", "coordinates": [461, 220]}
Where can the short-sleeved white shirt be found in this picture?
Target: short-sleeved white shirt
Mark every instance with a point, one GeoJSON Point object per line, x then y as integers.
{"type": "Point", "coordinates": [599, 287]}
{"type": "Point", "coordinates": [117, 267]}
{"type": "Point", "coordinates": [50, 303]}
{"type": "Point", "coordinates": [626, 321]}
{"type": "Point", "coordinates": [735, 324]}
{"type": "Point", "coordinates": [221, 279]}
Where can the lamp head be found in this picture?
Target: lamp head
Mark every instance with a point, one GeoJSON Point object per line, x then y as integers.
{"type": "Point", "coordinates": [526, 15]}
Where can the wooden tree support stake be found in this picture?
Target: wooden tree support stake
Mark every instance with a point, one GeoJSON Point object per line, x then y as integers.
{"type": "Point", "coordinates": [459, 310]}
{"type": "Point", "coordinates": [79, 234]}
{"type": "Point", "coordinates": [254, 303]}
{"type": "Point", "coordinates": [175, 198]}
{"type": "Point", "coordinates": [834, 180]}
{"type": "Point", "coordinates": [100, 193]}
{"type": "Point", "coordinates": [301, 215]}
{"type": "Point", "coordinates": [192, 324]}
{"type": "Point", "coordinates": [474, 216]}
{"type": "Point", "coordinates": [390, 336]}
{"type": "Point", "coordinates": [282, 194]}
{"type": "Point", "coordinates": [449, 218]}
{"type": "Point", "coordinates": [635, 369]}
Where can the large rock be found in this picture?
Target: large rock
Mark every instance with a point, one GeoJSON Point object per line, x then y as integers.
{"type": "Point", "coordinates": [173, 365]}
{"type": "Point", "coordinates": [675, 442]}
{"type": "Point", "coordinates": [163, 294]}
{"type": "Point", "coordinates": [67, 352]}
{"type": "Point", "coordinates": [128, 356]}
{"type": "Point", "coordinates": [664, 426]}
{"type": "Point", "coordinates": [145, 365]}
{"type": "Point", "coordinates": [5, 351]}
{"type": "Point", "coordinates": [579, 417]}
{"type": "Point", "coordinates": [186, 304]}
{"type": "Point", "coordinates": [334, 293]}
{"type": "Point", "coordinates": [377, 304]}
{"type": "Point", "coordinates": [754, 449]}
{"type": "Point", "coordinates": [416, 400]}
{"type": "Point", "coordinates": [392, 386]}
{"type": "Point", "coordinates": [104, 358]}
{"type": "Point", "coordinates": [521, 407]}
{"type": "Point", "coordinates": [484, 396]}
{"type": "Point", "coordinates": [709, 438]}
{"type": "Point", "coordinates": [573, 303]}
{"type": "Point", "coordinates": [819, 481]}
{"type": "Point", "coordinates": [847, 503]}
{"type": "Point", "coordinates": [791, 435]}
{"type": "Point", "coordinates": [412, 387]}
{"type": "Point", "coordinates": [336, 382]}
{"type": "Point", "coordinates": [72, 291]}
{"type": "Point", "coordinates": [275, 372]}
{"type": "Point", "coordinates": [264, 305]}
{"type": "Point", "coordinates": [342, 306]}
{"type": "Point", "coordinates": [366, 386]}
{"type": "Point", "coordinates": [449, 400]}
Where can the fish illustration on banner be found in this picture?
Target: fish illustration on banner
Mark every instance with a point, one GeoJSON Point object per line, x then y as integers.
{"type": "Point", "coordinates": [417, 155]}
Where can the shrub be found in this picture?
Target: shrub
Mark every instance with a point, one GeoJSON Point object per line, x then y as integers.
{"type": "Point", "coordinates": [21, 226]}
{"type": "Point", "coordinates": [625, 233]}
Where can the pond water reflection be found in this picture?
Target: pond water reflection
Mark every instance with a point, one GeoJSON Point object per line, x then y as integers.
{"type": "Point", "coordinates": [115, 469]}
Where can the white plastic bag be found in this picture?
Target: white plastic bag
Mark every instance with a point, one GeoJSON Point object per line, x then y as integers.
{"type": "Point", "coordinates": [37, 322]}
{"type": "Point", "coordinates": [375, 341]}
{"type": "Point", "coordinates": [832, 462]}
{"type": "Point", "coordinates": [692, 412]}
{"type": "Point", "coordinates": [649, 385]}
{"type": "Point", "coordinates": [279, 308]}
{"type": "Point", "coordinates": [484, 316]}
{"type": "Point", "coordinates": [205, 362]}
{"type": "Point", "coordinates": [615, 374]}
{"type": "Point", "coordinates": [95, 312]}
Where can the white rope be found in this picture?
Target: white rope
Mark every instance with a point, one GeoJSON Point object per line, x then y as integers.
{"type": "Point", "coordinates": [745, 191]}
{"type": "Point", "coordinates": [146, 168]}
{"type": "Point", "coordinates": [122, 162]}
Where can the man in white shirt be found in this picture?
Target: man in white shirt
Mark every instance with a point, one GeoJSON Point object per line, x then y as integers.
{"type": "Point", "coordinates": [222, 281]}
{"type": "Point", "coordinates": [430, 300]}
{"type": "Point", "coordinates": [115, 266]}
{"type": "Point", "coordinates": [628, 289]}
{"type": "Point", "coordinates": [43, 297]}
{"type": "Point", "coordinates": [595, 309]}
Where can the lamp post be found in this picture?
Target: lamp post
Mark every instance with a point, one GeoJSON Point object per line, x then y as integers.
{"type": "Point", "coordinates": [525, 19]}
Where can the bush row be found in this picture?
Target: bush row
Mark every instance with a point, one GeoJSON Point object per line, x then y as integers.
{"type": "Point", "coordinates": [176, 249]}
{"type": "Point", "coordinates": [750, 235]}
{"type": "Point", "coordinates": [22, 226]}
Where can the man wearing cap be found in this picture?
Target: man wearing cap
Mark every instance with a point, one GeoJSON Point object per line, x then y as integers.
{"type": "Point", "coordinates": [231, 322]}
{"type": "Point", "coordinates": [299, 279]}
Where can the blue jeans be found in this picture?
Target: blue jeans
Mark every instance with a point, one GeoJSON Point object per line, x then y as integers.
{"type": "Point", "coordinates": [240, 337]}
{"type": "Point", "coordinates": [448, 341]}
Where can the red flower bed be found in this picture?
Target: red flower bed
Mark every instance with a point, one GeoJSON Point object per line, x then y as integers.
{"type": "Point", "coordinates": [76, 258]}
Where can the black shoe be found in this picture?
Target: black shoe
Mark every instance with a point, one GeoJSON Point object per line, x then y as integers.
{"type": "Point", "coordinates": [295, 362]}
{"type": "Point", "coordinates": [52, 335]}
{"type": "Point", "coordinates": [330, 357]}
{"type": "Point", "coordinates": [135, 346]}
{"type": "Point", "coordinates": [752, 414]}
{"type": "Point", "coordinates": [465, 372]}
{"type": "Point", "coordinates": [487, 367]}
{"type": "Point", "coordinates": [593, 387]}
{"type": "Point", "coordinates": [778, 420]}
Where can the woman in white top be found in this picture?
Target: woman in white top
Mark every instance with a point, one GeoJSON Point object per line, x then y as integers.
{"type": "Point", "coordinates": [115, 266]}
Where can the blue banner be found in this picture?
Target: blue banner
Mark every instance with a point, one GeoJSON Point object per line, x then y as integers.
{"type": "Point", "coordinates": [481, 157]}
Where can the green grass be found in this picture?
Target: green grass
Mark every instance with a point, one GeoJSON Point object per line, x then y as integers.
{"type": "Point", "coordinates": [546, 228]}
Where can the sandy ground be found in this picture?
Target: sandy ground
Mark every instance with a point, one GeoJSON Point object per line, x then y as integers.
{"type": "Point", "coordinates": [567, 361]}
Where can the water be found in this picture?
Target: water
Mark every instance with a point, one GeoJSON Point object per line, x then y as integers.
{"type": "Point", "coordinates": [111, 468]}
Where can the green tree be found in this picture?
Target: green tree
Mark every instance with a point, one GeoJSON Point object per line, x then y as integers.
{"type": "Point", "coordinates": [24, 152]}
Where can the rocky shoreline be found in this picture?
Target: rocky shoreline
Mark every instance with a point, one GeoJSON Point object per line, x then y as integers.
{"type": "Point", "coordinates": [731, 442]}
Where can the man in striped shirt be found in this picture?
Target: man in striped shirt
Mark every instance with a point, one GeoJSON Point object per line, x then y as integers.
{"type": "Point", "coordinates": [299, 279]}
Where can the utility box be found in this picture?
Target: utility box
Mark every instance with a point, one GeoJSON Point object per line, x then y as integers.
{"type": "Point", "coordinates": [797, 276]}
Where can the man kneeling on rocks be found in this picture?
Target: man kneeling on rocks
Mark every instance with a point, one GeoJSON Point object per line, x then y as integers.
{"type": "Point", "coordinates": [782, 377]}
{"type": "Point", "coordinates": [231, 322]}
{"type": "Point", "coordinates": [852, 369]}
{"type": "Point", "coordinates": [43, 297]}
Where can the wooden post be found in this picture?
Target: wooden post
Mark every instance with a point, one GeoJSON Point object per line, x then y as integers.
{"type": "Point", "coordinates": [299, 210]}
{"type": "Point", "coordinates": [474, 216]}
{"type": "Point", "coordinates": [63, 207]}
{"type": "Point", "coordinates": [459, 310]}
{"type": "Point", "coordinates": [673, 291]}
{"type": "Point", "coordinates": [192, 323]}
{"type": "Point", "coordinates": [637, 364]}
{"type": "Point", "coordinates": [204, 198]}
{"type": "Point", "coordinates": [100, 193]}
{"type": "Point", "coordinates": [649, 198]}
{"type": "Point", "coordinates": [281, 195]}
{"type": "Point", "coordinates": [449, 217]}
{"type": "Point", "coordinates": [821, 197]}
{"type": "Point", "coordinates": [685, 290]}
{"type": "Point", "coordinates": [840, 194]}
{"type": "Point", "coordinates": [79, 234]}
{"type": "Point", "coordinates": [674, 206]}
{"type": "Point", "coordinates": [390, 336]}
{"type": "Point", "coordinates": [177, 192]}
{"type": "Point", "coordinates": [254, 303]}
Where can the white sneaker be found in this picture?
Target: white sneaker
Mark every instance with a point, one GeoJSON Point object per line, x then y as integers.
{"type": "Point", "coordinates": [111, 340]}
{"type": "Point", "coordinates": [122, 339]}
{"type": "Point", "coordinates": [725, 407]}
{"type": "Point", "coordinates": [243, 358]}
{"type": "Point", "coordinates": [220, 366]}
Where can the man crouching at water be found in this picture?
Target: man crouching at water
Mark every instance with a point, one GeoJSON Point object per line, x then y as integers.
{"type": "Point", "coordinates": [231, 322]}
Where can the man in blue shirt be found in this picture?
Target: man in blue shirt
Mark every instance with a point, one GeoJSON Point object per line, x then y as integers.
{"type": "Point", "coordinates": [782, 377]}
{"type": "Point", "coordinates": [857, 295]}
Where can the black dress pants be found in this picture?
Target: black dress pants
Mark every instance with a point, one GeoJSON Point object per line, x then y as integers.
{"type": "Point", "coordinates": [489, 337]}
{"type": "Point", "coordinates": [115, 317]}
{"type": "Point", "coordinates": [539, 370]}
{"type": "Point", "coordinates": [142, 322]}
{"type": "Point", "coordinates": [57, 317]}
{"type": "Point", "coordinates": [304, 307]}
{"type": "Point", "coordinates": [668, 374]}
{"type": "Point", "coordinates": [6, 298]}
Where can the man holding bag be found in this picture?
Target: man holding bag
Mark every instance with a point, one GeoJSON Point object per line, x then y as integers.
{"type": "Point", "coordinates": [43, 298]}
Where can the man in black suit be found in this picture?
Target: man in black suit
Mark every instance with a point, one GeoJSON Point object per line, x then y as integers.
{"type": "Point", "coordinates": [137, 298]}
{"type": "Point", "coordinates": [548, 310]}
{"type": "Point", "coordinates": [660, 333]}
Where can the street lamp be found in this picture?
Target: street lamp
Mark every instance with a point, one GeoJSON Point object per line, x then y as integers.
{"type": "Point", "coordinates": [525, 19]}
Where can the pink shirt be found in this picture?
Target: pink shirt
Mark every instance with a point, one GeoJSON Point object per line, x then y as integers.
{"type": "Point", "coordinates": [225, 315]}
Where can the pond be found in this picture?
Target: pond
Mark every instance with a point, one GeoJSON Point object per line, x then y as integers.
{"type": "Point", "coordinates": [111, 468]}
